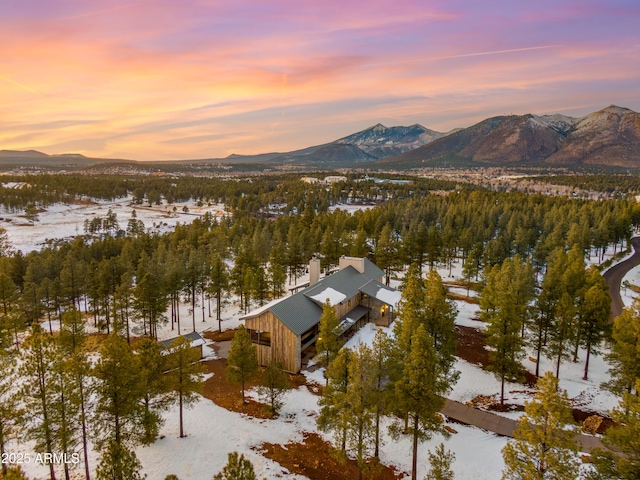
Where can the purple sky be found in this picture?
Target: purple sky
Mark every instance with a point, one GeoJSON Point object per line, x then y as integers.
{"type": "Point", "coordinates": [162, 79]}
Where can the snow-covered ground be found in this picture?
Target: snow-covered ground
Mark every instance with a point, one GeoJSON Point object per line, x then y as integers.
{"type": "Point", "coordinates": [61, 221]}
{"type": "Point", "coordinates": [213, 431]}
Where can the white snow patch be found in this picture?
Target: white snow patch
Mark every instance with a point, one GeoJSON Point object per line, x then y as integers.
{"type": "Point", "coordinates": [332, 295]}
{"type": "Point", "coordinates": [390, 297]}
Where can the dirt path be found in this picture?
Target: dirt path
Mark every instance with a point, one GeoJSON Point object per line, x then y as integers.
{"type": "Point", "coordinates": [616, 273]}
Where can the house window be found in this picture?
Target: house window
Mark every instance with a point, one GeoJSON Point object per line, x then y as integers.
{"type": "Point", "coordinates": [260, 337]}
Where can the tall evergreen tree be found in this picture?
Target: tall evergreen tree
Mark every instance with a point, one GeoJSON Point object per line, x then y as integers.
{"type": "Point", "coordinates": [625, 355]}
{"type": "Point", "coordinates": [439, 315]}
{"type": "Point", "coordinates": [386, 252]}
{"type": "Point", "coordinates": [10, 413]}
{"type": "Point", "coordinates": [72, 344]}
{"type": "Point", "coordinates": [543, 447]}
{"type": "Point", "coordinates": [65, 410]}
{"type": "Point", "coordinates": [382, 373]}
{"type": "Point", "coordinates": [184, 378]}
{"type": "Point", "coordinates": [565, 325]}
{"type": "Point", "coordinates": [504, 300]}
{"type": "Point", "coordinates": [219, 283]}
{"type": "Point", "coordinates": [333, 404]}
{"type": "Point", "coordinates": [595, 313]}
{"type": "Point", "coordinates": [154, 386]}
{"type": "Point", "coordinates": [119, 394]}
{"type": "Point", "coordinates": [547, 303]}
{"type": "Point", "coordinates": [420, 392]}
{"type": "Point", "coordinates": [37, 368]}
{"type": "Point", "coordinates": [242, 363]}
{"type": "Point", "coordinates": [622, 458]}
{"type": "Point", "coordinates": [328, 342]}
{"type": "Point", "coordinates": [360, 409]}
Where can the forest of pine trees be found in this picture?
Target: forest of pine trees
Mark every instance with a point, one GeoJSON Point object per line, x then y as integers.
{"type": "Point", "coordinates": [126, 283]}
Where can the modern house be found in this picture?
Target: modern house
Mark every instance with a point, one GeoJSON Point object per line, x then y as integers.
{"type": "Point", "coordinates": [286, 329]}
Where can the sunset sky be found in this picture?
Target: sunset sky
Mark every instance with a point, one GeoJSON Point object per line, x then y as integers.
{"type": "Point", "coordinates": [169, 79]}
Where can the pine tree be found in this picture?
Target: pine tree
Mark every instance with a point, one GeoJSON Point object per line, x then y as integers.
{"type": "Point", "coordinates": [411, 310]}
{"type": "Point", "coordinates": [184, 374]}
{"type": "Point", "coordinates": [382, 372]}
{"type": "Point", "coordinates": [625, 355]}
{"type": "Point", "coordinates": [10, 413]}
{"type": "Point", "coordinates": [242, 363]}
{"type": "Point", "coordinates": [275, 383]}
{"type": "Point", "coordinates": [543, 447]}
{"type": "Point", "coordinates": [328, 342]}
{"type": "Point", "coordinates": [440, 462]}
{"type": "Point", "coordinates": [154, 386]}
{"type": "Point", "coordinates": [419, 392]}
{"type": "Point", "coordinates": [71, 342]}
{"type": "Point", "coordinates": [31, 213]}
{"type": "Point", "coordinates": [360, 407]}
{"type": "Point", "coordinates": [595, 313]}
{"type": "Point", "coordinates": [72, 331]}
{"type": "Point", "coordinates": [439, 319]}
{"type": "Point", "coordinates": [386, 252]}
{"type": "Point", "coordinates": [15, 473]}
{"type": "Point", "coordinates": [622, 459]}
{"type": "Point", "coordinates": [39, 357]}
{"type": "Point", "coordinates": [547, 303]}
{"type": "Point", "coordinates": [118, 462]}
{"type": "Point", "coordinates": [277, 277]}
{"type": "Point", "coordinates": [504, 299]}
{"type": "Point", "coordinates": [219, 283]}
{"type": "Point", "coordinates": [333, 404]}
{"type": "Point", "coordinates": [564, 330]}
{"type": "Point", "coordinates": [237, 468]}
{"type": "Point", "coordinates": [65, 410]}
{"type": "Point", "coordinates": [151, 301]}
{"type": "Point", "coordinates": [119, 394]}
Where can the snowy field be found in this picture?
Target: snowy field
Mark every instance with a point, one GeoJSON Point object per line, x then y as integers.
{"type": "Point", "coordinates": [213, 431]}
{"type": "Point", "coordinates": [62, 221]}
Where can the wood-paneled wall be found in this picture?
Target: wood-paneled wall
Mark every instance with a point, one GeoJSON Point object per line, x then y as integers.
{"type": "Point", "coordinates": [285, 345]}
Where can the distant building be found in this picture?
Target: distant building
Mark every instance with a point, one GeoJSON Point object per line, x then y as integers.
{"type": "Point", "coordinates": [326, 181]}
{"type": "Point", "coordinates": [310, 180]}
{"type": "Point", "coordinates": [286, 329]}
{"type": "Point", "coordinates": [194, 338]}
{"type": "Point", "coordinates": [334, 179]}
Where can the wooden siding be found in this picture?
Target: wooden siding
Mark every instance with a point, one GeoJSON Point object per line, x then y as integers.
{"type": "Point", "coordinates": [345, 307]}
{"type": "Point", "coordinates": [285, 345]}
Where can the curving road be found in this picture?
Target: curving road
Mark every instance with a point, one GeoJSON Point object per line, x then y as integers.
{"type": "Point", "coordinates": [616, 273]}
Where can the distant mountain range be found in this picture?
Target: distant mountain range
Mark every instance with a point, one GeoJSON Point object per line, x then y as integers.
{"type": "Point", "coordinates": [609, 137]}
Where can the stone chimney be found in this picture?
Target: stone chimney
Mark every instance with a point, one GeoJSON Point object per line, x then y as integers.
{"type": "Point", "coordinates": [314, 271]}
{"type": "Point", "coordinates": [355, 262]}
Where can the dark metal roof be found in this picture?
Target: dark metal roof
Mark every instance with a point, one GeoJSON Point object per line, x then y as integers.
{"type": "Point", "coordinates": [373, 289]}
{"type": "Point", "coordinates": [299, 312]}
{"type": "Point", "coordinates": [193, 337]}
{"type": "Point", "coordinates": [351, 318]}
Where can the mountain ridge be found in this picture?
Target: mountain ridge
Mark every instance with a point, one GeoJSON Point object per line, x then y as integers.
{"type": "Point", "coordinates": [609, 137]}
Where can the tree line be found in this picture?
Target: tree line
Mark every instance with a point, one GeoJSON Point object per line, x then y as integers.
{"type": "Point", "coordinates": [57, 393]}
